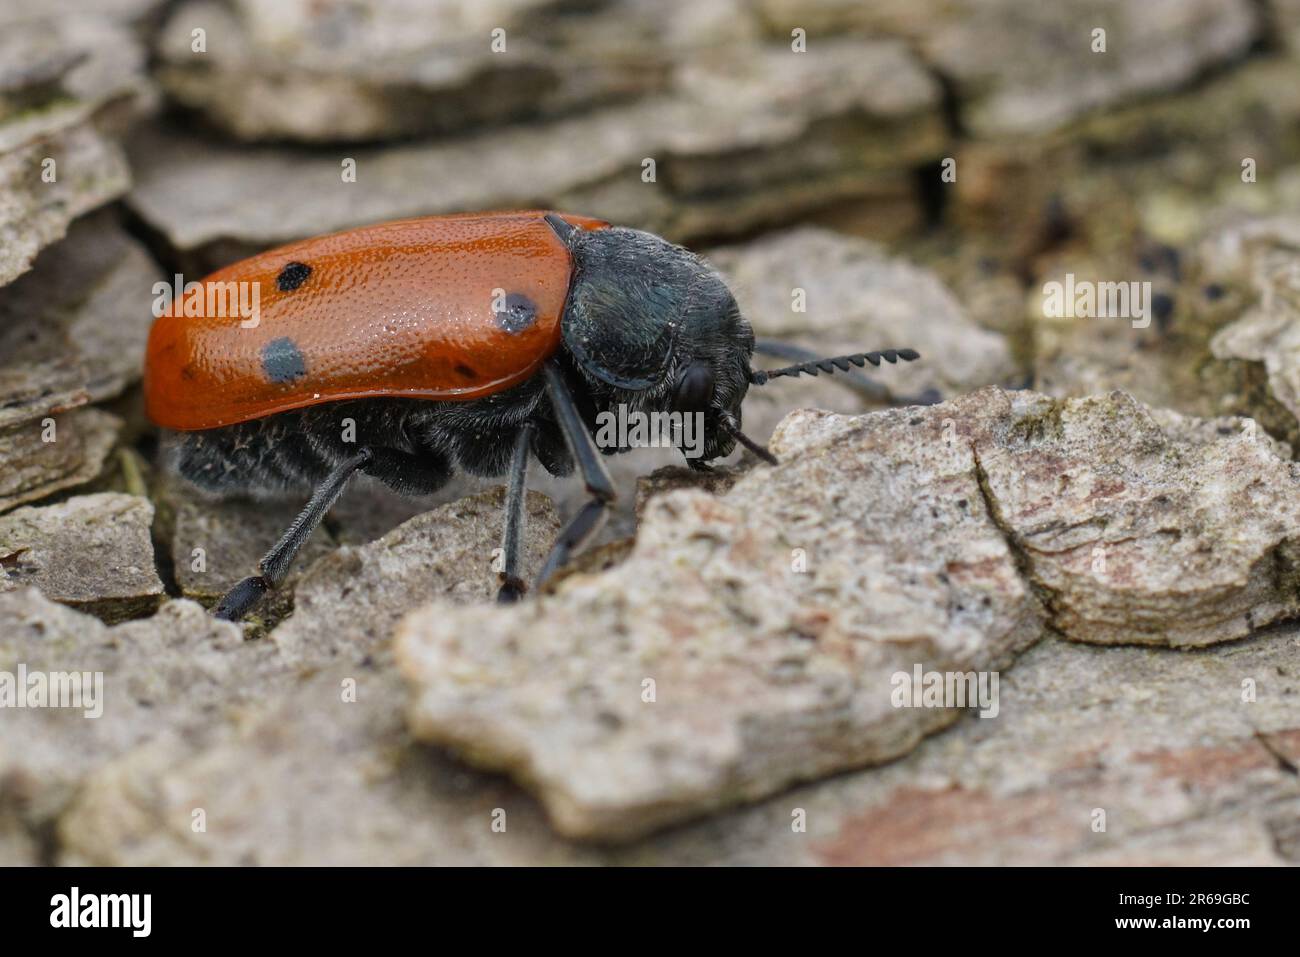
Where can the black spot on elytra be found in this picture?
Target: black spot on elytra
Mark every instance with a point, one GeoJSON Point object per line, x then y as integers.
{"type": "Point", "coordinates": [466, 371]}
{"type": "Point", "coordinates": [518, 313]}
{"type": "Point", "coordinates": [282, 361]}
{"type": "Point", "coordinates": [292, 276]}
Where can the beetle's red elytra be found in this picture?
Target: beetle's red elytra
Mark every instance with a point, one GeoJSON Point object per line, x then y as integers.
{"type": "Point", "coordinates": [472, 342]}
{"type": "Point", "coordinates": [448, 307]}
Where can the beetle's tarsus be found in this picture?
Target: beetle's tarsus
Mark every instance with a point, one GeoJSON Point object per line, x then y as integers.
{"type": "Point", "coordinates": [577, 533]}
{"type": "Point", "coordinates": [240, 599]}
{"type": "Point", "coordinates": [511, 590]}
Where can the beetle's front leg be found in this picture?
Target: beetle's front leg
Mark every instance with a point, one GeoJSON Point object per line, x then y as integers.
{"type": "Point", "coordinates": [591, 516]}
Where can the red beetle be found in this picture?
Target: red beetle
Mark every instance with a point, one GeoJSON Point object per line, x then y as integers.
{"type": "Point", "coordinates": [467, 341]}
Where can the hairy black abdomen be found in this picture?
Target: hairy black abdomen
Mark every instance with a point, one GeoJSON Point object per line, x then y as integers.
{"type": "Point", "coordinates": [418, 443]}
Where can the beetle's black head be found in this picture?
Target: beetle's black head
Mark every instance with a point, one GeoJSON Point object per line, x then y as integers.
{"type": "Point", "coordinates": [652, 328]}
{"type": "Point", "coordinates": [649, 327]}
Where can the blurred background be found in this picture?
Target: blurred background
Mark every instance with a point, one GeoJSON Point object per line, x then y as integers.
{"type": "Point", "coordinates": [866, 175]}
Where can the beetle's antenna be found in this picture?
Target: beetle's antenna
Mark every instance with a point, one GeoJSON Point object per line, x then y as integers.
{"type": "Point", "coordinates": [833, 364]}
{"type": "Point", "coordinates": [729, 426]}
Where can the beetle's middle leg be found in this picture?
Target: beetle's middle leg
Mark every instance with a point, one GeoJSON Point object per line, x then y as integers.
{"type": "Point", "coordinates": [512, 586]}
{"type": "Point", "coordinates": [599, 485]}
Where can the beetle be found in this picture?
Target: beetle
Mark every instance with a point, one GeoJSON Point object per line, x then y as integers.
{"type": "Point", "coordinates": [470, 342]}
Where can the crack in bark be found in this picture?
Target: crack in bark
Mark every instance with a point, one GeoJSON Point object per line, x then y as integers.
{"type": "Point", "coordinates": [1045, 596]}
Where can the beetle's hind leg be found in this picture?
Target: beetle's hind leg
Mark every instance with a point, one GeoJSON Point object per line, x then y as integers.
{"type": "Point", "coordinates": [411, 474]}
{"type": "Point", "coordinates": [275, 564]}
{"type": "Point", "coordinates": [512, 585]}
{"type": "Point", "coordinates": [601, 488]}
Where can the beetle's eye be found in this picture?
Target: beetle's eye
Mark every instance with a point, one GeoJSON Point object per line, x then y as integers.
{"type": "Point", "coordinates": [694, 388]}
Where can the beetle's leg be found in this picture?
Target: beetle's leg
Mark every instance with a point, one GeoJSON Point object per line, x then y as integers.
{"type": "Point", "coordinates": [601, 487]}
{"type": "Point", "coordinates": [851, 378]}
{"type": "Point", "coordinates": [512, 586]}
{"type": "Point", "coordinates": [275, 564]}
